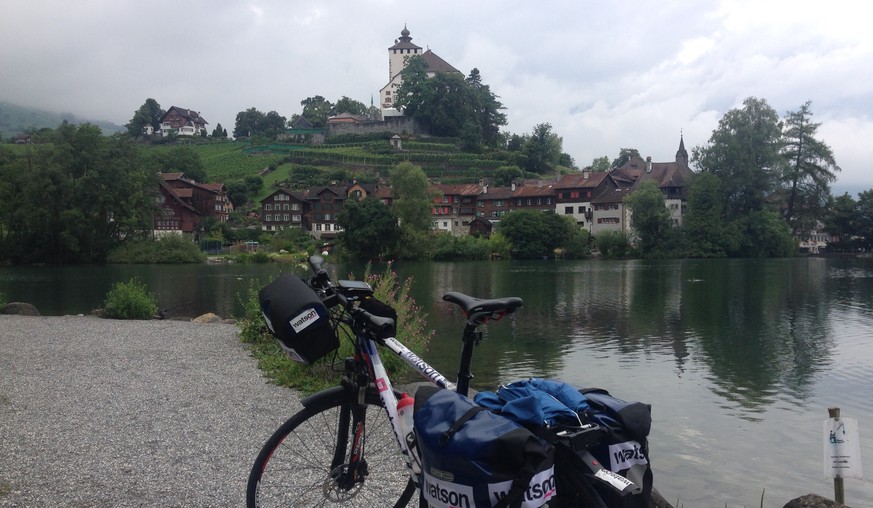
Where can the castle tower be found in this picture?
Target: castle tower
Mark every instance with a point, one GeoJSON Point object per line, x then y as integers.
{"type": "Point", "coordinates": [399, 52]}
{"type": "Point", "coordinates": [682, 154]}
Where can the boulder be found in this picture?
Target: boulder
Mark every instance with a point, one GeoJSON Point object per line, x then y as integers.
{"type": "Point", "coordinates": [813, 501]}
{"type": "Point", "coordinates": [207, 318]}
{"type": "Point", "coordinates": [20, 309]}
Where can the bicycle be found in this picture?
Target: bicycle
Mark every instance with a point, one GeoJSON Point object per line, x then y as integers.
{"type": "Point", "coordinates": [346, 446]}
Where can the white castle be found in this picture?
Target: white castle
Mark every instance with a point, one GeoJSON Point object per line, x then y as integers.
{"type": "Point", "coordinates": [398, 54]}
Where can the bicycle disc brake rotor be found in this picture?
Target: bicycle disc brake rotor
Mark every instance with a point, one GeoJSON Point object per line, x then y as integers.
{"type": "Point", "coordinates": [332, 489]}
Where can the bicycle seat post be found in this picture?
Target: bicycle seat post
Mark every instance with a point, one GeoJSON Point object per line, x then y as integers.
{"type": "Point", "coordinates": [470, 337]}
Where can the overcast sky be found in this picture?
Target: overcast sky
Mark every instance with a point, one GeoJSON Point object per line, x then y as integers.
{"type": "Point", "coordinates": [604, 74]}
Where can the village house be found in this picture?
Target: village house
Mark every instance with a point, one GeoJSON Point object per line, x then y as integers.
{"type": "Point", "coordinates": [454, 206]}
{"type": "Point", "coordinates": [283, 209]}
{"type": "Point", "coordinates": [184, 203]}
{"type": "Point", "coordinates": [182, 122]}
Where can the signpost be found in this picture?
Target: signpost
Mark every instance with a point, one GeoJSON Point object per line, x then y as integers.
{"type": "Point", "coordinates": [842, 450]}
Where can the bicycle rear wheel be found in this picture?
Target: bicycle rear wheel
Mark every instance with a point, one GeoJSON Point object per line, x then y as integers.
{"type": "Point", "coordinates": [294, 466]}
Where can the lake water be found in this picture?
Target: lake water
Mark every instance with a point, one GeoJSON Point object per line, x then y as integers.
{"type": "Point", "coordinates": [740, 359]}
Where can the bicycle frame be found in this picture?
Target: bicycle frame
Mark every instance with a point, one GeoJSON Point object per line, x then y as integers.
{"type": "Point", "coordinates": [386, 389]}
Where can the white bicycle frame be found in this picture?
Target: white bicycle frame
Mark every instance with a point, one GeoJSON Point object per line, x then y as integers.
{"type": "Point", "coordinates": [386, 389]}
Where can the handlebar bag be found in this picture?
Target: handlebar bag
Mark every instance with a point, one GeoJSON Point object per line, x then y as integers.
{"type": "Point", "coordinates": [297, 317]}
{"type": "Point", "coordinates": [472, 457]}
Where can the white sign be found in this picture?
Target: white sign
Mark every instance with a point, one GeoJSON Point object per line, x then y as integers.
{"type": "Point", "coordinates": [842, 448]}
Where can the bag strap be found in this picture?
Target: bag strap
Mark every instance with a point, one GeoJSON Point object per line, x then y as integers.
{"type": "Point", "coordinates": [473, 411]}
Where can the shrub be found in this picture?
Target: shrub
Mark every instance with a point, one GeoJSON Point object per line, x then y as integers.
{"type": "Point", "coordinates": [167, 249]}
{"type": "Point", "coordinates": [130, 300]}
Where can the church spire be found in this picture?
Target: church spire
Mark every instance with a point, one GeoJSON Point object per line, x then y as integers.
{"type": "Point", "coordinates": [682, 154]}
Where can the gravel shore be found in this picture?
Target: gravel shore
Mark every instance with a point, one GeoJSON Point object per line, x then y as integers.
{"type": "Point", "coordinates": [97, 412]}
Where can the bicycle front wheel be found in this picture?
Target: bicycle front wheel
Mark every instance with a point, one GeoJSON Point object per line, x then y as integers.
{"type": "Point", "coordinates": [294, 466]}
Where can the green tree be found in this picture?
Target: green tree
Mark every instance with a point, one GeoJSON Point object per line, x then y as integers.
{"type": "Point", "coordinates": [807, 173]}
{"type": "Point", "coordinates": [650, 218]}
{"type": "Point", "coordinates": [842, 220]}
{"type": "Point", "coordinates": [370, 229]}
{"type": "Point", "coordinates": [74, 199]}
{"type": "Point", "coordinates": [219, 132]}
{"type": "Point", "coordinates": [316, 110]}
{"type": "Point", "coordinates": [600, 164]}
{"type": "Point", "coordinates": [411, 196]}
{"type": "Point", "coordinates": [542, 150]}
{"type": "Point", "coordinates": [149, 113]}
{"type": "Point", "coordinates": [534, 234]}
{"type": "Point", "coordinates": [504, 175]}
{"type": "Point", "coordinates": [707, 232]}
{"type": "Point", "coordinates": [624, 155]}
{"type": "Point", "coordinates": [248, 123]}
{"type": "Point", "coordinates": [346, 105]}
{"type": "Point", "coordinates": [743, 152]}
{"type": "Point", "coordinates": [450, 105]}
{"type": "Point", "coordinates": [181, 159]}
{"type": "Point", "coordinates": [864, 222]}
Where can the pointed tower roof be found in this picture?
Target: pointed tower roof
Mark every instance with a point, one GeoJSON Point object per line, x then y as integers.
{"type": "Point", "coordinates": [405, 41]}
{"type": "Point", "coordinates": [682, 154]}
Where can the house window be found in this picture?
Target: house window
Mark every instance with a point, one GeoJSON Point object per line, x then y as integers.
{"type": "Point", "coordinates": [518, 201]}
{"type": "Point", "coordinates": [481, 204]}
{"type": "Point", "coordinates": [287, 217]}
{"type": "Point", "coordinates": [574, 194]}
{"type": "Point", "coordinates": [318, 227]}
{"type": "Point", "coordinates": [568, 210]}
{"type": "Point", "coordinates": [581, 209]}
{"type": "Point", "coordinates": [499, 202]}
{"type": "Point", "coordinates": [445, 199]}
{"type": "Point", "coordinates": [295, 206]}
{"type": "Point", "coordinates": [327, 216]}
{"type": "Point", "coordinates": [528, 201]}
{"type": "Point", "coordinates": [269, 217]}
{"type": "Point", "coordinates": [295, 218]}
{"type": "Point", "coordinates": [269, 208]}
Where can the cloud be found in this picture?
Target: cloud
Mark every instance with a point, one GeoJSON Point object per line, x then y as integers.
{"type": "Point", "coordinates": [606, 75]}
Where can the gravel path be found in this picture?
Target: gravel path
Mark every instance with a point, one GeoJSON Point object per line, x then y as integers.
{"type": "Point", "coordinates": [97, 412]}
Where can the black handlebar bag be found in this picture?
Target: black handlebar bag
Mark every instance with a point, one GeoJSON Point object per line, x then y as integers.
{"type": "Point", "coordinates": [297, 317]}
{"type": "Point", "coordinates": [472, 457]}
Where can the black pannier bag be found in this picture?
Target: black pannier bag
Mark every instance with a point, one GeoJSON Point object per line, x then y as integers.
{"type": "Point", "coordinates": [472, 457]}
{"type": "Point", "coordinates": [623, 447]}
{"type": "Point", "coordinates": [297, 317]}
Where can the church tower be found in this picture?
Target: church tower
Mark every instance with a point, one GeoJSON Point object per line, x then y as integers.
{"type": "Point", "coordinates": [402, 49]}
{"type": "Point", "coordinates": [682, 154]}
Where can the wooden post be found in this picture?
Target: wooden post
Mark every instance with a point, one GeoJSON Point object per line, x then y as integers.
{"type": "Point", "coordinates": [839, 493]}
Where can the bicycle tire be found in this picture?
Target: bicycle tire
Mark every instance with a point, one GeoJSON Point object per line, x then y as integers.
{"type": "Point", "coordinates": [294, 466]}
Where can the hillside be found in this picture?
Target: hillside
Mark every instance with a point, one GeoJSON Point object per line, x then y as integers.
{"type": "Point", "coordinates": [15, 119]}
{"type": "Point", "coordinates": [440, 159]}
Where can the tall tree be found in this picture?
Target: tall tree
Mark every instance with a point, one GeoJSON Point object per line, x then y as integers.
{"type": "Point", "coordinates": [841, 220]}
{"type": "Point", "coordinates": [75, 198]}
{"type": "Point", "coordinates": [864, 224]}
{"type": "Point", "coordinates": [370, 229]}
{"type": "Point", "coordinates": [180, 159]}
{"type": "Point", "coordinates": [542, 150]}
{"type": "Point", "coordinates": [219, 132]}
{"type": "Point", "coordinates": [149, 113]}
{"type": "Point", "coordinates": [707, 232]}
{"type": "Point", "coordinates": [808, 172]}
{"type": "Point", "coordinates": [650, 218]}
{"type": "Point", "coordinates": [624, 155]}
{"type": "Point", "coordinates": [316, 110]}
{"type": "Point", "coordinates": [744, 152]}
{"type": "Point", "coordinates": [411, 196]}
{"type": "Point", "coordinates": [600, 164]}
{"type": "Point", "coordinates": [346, 105]}
{"type": "Point", "coordinates": [248, 123]}
{"type": "Point", "coordinates": [272, 125]}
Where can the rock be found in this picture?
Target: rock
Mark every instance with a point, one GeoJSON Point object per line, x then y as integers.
{"type": "Point", "coordinates": [20, 309]}
{"type": "Point", "coordinates": [813, 501]}
{"type": "Point", "coordinates": [207, 318]}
